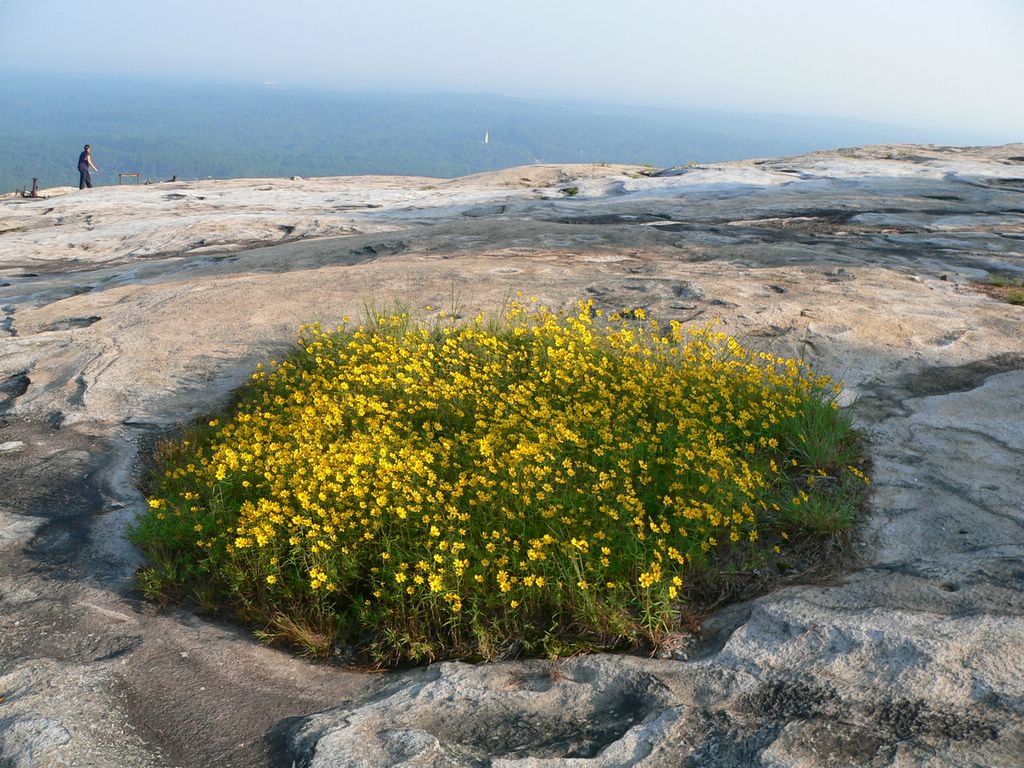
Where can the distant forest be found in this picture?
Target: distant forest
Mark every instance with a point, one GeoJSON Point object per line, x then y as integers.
{"type": "Point", "coordinates": [165, 129]}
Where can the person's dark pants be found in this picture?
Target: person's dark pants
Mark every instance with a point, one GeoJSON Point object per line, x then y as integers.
{"type": "Point", "coordinates": [84, 179]}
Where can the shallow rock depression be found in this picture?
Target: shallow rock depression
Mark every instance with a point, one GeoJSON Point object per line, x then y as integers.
{"type": "Point", "coordinates": [124, 311]}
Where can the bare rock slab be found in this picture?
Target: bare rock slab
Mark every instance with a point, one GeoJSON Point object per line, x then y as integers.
{"type": "Point", "coordinates": [130, 310]}
{"type": "Point", "coordinates": [623, 711]}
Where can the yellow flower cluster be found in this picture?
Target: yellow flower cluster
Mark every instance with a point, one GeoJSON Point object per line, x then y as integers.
{"type": "Point", "coordinates": [547, 466]}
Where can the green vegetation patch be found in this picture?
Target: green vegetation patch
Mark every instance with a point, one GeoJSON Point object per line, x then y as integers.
{"type": "Point", "coordinates": [1010, 290]}
{"type": "Point", "coordinates": [541, 483]}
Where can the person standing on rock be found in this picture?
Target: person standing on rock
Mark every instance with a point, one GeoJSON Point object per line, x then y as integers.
{"type": "Point", "coordinates": [84, 164]}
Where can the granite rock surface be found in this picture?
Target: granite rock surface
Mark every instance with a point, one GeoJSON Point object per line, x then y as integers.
{"type": "Point", "coordinates": [124, 311]}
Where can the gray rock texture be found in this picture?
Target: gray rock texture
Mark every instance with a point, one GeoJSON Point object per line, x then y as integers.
{"type": "Point", "coordinates": [124, 311]}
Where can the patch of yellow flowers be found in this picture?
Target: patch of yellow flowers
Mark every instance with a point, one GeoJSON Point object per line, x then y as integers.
{"type": "Point", "coordinates": [432, 480]}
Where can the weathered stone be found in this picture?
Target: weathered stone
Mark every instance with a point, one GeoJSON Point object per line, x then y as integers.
{"type": "Point", "coordinates": [148, 306]}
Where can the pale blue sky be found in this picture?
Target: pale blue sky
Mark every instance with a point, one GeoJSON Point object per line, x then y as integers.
{"type": "Point", "coordinates": [933, 63]}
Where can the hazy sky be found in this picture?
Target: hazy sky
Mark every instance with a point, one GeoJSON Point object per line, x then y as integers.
{"type": "Point", "coordinates": [955, 64]}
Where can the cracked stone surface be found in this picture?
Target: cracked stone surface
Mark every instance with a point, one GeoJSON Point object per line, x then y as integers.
{"type": "Point", "coordinates": [127, 310]}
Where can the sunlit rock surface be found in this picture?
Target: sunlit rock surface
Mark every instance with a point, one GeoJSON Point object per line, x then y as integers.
{"type": "Point", "coordinates": [126, 310]}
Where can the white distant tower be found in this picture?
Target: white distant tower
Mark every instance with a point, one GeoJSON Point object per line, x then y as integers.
{"type": "Point", "coordinates": [487, 137]}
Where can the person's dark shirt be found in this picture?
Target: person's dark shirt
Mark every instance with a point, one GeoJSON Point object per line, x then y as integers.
{"type": "Point", "coordinates": [83, 162]}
